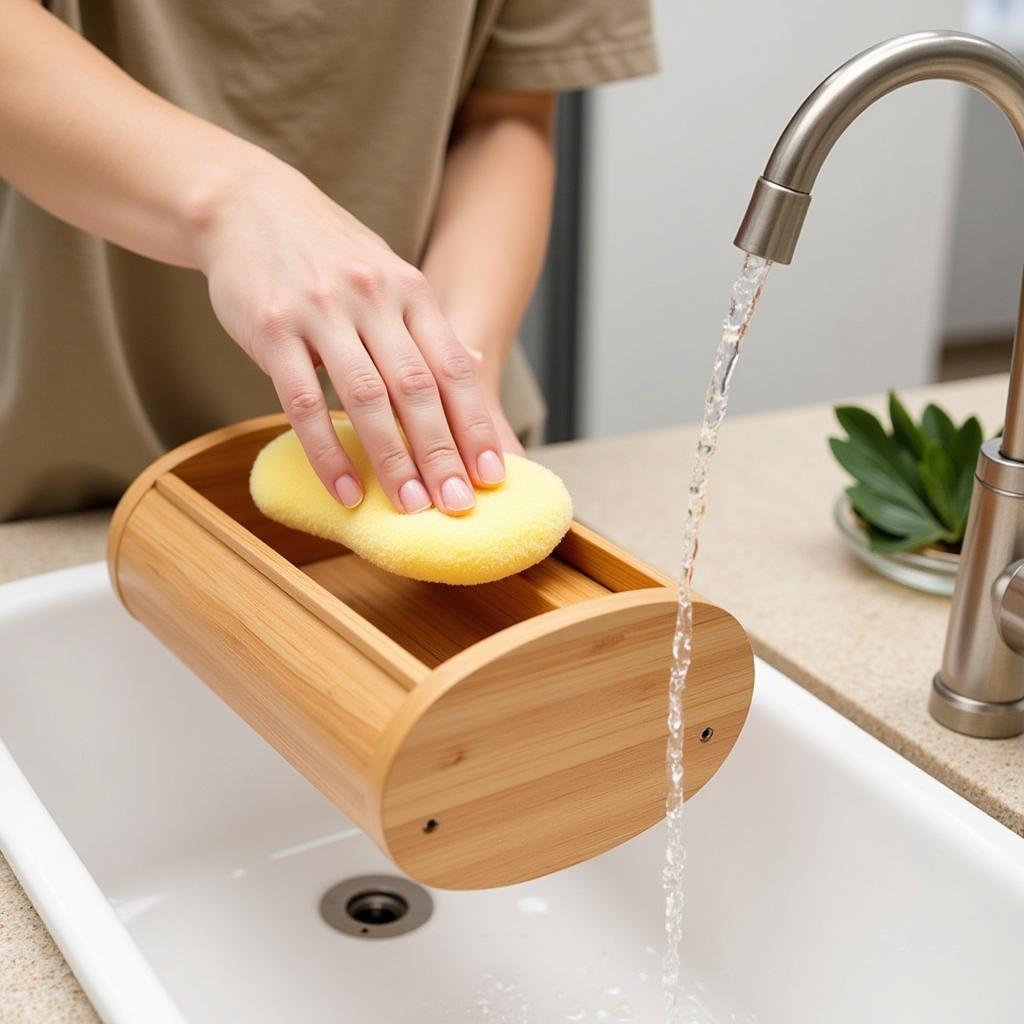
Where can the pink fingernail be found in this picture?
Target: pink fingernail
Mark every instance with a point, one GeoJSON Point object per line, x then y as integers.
{"type": "Point", "coordinates": [457, 495]}
{"type": "Point", "coordinates": [490, 467]}
{"type": "Point", "coordinates": [413, 496]}
{"type": "Point", "coordinates": [349, 490]}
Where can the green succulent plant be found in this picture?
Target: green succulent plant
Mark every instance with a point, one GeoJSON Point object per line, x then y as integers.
{"type": "Point", "coordinates": [914, 482]}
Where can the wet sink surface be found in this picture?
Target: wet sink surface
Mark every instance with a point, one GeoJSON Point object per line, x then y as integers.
{"type": "Point", "coordinates": [828, 879]}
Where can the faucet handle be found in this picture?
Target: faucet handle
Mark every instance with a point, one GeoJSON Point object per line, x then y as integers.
{"type": "Point", "coordinates": [1007, 595]}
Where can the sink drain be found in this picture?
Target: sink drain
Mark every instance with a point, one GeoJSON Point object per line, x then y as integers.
{"type": "Point", "coordinates": [376, 906]}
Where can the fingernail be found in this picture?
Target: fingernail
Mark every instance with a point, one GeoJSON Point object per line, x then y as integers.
{"type": "Point", "coordinates": [457, 495]}
{"type": "Point", "coordinates": [349, 490]}
{"type": "Point", "coordinates": [413, 496]}
{"type": "Point", "coordinates": [490, 467]}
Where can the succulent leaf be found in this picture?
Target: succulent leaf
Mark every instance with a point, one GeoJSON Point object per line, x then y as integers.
{"type": "Point", "coordinates": [904, 430]}
{"type": "Point", "coordinates": [913, 485]}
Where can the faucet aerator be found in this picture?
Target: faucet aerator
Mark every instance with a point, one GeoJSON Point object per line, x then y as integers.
{"type": "Point", "coordinates": [772, 223]}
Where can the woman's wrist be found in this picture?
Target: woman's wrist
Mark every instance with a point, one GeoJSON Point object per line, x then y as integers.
{"type": "Point", "coordinates": [208, 205]}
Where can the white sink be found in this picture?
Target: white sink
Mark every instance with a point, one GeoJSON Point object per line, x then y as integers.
{"type": "Point", "coordinates": [829, 881]}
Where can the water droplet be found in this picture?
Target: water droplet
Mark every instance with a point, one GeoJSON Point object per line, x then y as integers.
{"type": "Point", "coordinates": [533, 906]}
{"type": "Point", "coordinates": [613, 990]}
{"type": "Point", "coordinates": [575, 1013]}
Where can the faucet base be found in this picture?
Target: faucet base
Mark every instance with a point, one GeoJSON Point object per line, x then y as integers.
{"type": "Point", "coordinates": [986, 719]}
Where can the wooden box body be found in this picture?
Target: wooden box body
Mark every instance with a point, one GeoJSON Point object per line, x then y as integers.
{"type": "Point", "coordinates": [481, 735]}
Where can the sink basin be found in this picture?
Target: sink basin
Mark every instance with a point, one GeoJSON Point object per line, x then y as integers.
{"type": "Point", "coordinates": [180, 863]}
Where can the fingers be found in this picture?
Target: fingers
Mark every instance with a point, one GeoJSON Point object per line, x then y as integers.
{"type": "Point", "coordinates": [461, 395]}
{"type": "Point", "coordinates": [364, 394]}
{"type": "Point", "coordinates": [390, 352]}
{"type": "Point", "coordinates": [298, 389]}
{"type": "Point", "coordinates": [417, 401]}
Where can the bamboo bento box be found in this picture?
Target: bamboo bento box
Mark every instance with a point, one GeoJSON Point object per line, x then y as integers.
{"type": "Point", "coordinates": [480, 735]}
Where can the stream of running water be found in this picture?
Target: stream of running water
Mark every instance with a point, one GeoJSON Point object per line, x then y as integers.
{"type": "Point", "coordinates": [745, 294]}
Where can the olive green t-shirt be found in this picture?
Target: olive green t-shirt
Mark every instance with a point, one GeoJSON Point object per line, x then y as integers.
{"type": "Point", "coordinates": [107, 358]}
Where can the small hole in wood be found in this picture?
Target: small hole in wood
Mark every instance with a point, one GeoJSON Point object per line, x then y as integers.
{"type": "Point", "coordinates": [431, 824]}
{"type": "Point", "coordinates": [706, 734]}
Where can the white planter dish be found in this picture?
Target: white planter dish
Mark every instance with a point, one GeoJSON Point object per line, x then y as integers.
{"type": "Point", "coordinates": [931, 571]}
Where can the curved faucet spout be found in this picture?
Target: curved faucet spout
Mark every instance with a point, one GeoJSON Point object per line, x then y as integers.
{"type": "Point", "coordinates": [980, 688]}
{"type": "Point", "coordinates": [777, 208]}
{"type": "Point", "coordinates": [775, 214]}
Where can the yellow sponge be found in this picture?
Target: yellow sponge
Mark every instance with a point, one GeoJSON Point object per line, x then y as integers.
{"type": "Point", "coordinates": [511, 527]}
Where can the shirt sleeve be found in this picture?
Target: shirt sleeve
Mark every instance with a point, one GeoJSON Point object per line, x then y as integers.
{"type": "Point", "coordinates": [562, 45]}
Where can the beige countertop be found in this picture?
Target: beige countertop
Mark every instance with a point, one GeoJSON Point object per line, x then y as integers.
{"type": "Point", "coordinates": [769, 553]}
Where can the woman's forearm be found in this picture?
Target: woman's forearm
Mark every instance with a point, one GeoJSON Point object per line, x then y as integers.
{"type": "Point", "coordinates": [294, 278]}
{"type": "Point", "coordinates": [89, 144]}
{"type": "Point", "coordinates": [491, 228]}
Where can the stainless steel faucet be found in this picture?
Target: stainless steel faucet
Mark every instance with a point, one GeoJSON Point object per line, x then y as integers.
{"type": "Point", "coordinates": [980, 688]}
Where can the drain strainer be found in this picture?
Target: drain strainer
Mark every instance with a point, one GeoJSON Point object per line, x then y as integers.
{"type": "Point", "coordinates": [376, 906]}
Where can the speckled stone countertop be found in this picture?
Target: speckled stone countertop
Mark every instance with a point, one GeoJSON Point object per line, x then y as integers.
{"type": "Point", "coordinates": [769, 553]}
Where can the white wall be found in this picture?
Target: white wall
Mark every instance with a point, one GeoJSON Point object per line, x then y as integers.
{"type": "Point", "coordinates": [671, 162]}
{"type": "Point", "coordinates": [988, 236]}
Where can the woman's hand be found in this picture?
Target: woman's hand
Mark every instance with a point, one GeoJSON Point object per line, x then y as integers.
{"type": "Point", "coordinates": [298, 281]}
